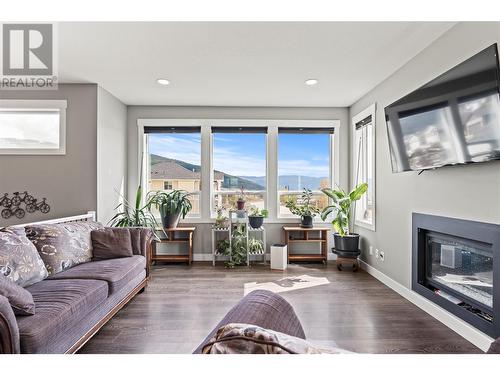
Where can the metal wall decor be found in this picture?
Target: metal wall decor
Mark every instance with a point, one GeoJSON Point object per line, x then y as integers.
{"type": "Point", "coordinates": [12, 206]}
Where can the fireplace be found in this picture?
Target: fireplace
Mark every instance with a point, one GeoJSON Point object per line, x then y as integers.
{"type": "Point", "coordinates": [456, 264]}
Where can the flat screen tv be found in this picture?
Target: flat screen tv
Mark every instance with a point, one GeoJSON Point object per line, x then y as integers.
{"type": "Point", "coordinates": [453, 119]}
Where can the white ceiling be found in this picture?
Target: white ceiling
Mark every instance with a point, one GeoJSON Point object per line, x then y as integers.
{"type": "Point", "coordinates": [240, 64]}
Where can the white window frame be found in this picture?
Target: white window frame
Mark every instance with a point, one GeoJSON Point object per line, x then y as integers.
{"type": "Point", "coordinates": [271, 193]}
{"type": "Point", "coordinates": [333, 170]}
{"type": "Point", "coordinates": [31, 105]}
{"type": "Point", "coordinates": [242, 124]}
{"type": "Point", "coordinates": [369, 111]}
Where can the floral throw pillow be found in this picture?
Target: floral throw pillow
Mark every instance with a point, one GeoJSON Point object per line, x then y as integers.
{"type": "Point", "coordinates": [62, 246]}
{"type": "Point", "coordinates": [239, 338]}
{"type": "Point", "coordinates": [19, 258]}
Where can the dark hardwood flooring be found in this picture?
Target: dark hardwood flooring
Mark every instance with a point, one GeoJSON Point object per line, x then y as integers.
{"type": "Point", "coordinates": [182, 304]}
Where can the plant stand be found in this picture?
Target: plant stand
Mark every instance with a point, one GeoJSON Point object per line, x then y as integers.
{"type": "Point", "coordinates": [173, 239]}
{"type": "Point", "coordinates": [238, 218]}
{"type": "Point", "coordinates": [215, 238]}
{"type": "Point", "coordinates": [262, 232]}
{"type": "Point", "coordinates": [347, 258]}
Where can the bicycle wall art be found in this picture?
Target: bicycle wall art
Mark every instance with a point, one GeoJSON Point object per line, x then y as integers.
{"type": "Point", "coordinates": [13, 206]}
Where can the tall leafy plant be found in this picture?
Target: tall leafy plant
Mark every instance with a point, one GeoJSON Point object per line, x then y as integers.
{"type": "Point", "coordinates": [133, 216]}
{"type": "Point", "coordinates": [341, 207]}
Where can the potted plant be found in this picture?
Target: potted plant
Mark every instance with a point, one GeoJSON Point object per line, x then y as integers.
{"type": "Point", "coordinates": [345, 241]}
{"type": "Point", "coordinates": [172, 206]}
{"type": "Point", "coordinates": [137, 216]}
{"type": "Point", "coordinates": [240, 203]}
{"type": "Point", "coordinates": [255, 246]}
{"type": "Point", "coordinates": [306, 210]}
{"type": "Point", "coordinates": [238, 247]}
{"type": "Point", "coordinates": [256, 217]}
{"type": "Point", "coordinates": [221, 221]}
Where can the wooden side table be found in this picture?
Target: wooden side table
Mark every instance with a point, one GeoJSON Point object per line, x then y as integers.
{"type": "Point", "coordinates": [172, 238]}
{"type": "Point", "coordinates": [306, 238]}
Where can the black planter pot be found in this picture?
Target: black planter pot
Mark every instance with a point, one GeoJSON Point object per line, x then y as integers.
{"type": "Point", "coordinates": [346, 244]}
{"type": "Point", "coordinates": [306, 222]}
{"type": "Point", "coordinates": [170, 220]}
{"type": "Point", "coordinates": [256, 221]}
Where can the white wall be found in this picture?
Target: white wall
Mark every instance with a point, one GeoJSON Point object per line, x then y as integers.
{"type": "Point", "coordinates": [111, 154]}
{"type": "Point", "coordinates": [469, 192]}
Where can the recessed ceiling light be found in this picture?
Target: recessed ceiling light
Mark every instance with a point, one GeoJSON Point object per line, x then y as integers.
{"type": "Point", "coordinates": [163, 81]}
{"type": "Point", "coordinates": [311, 82]}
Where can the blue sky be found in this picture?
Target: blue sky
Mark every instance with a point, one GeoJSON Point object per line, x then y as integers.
{"type": "Point", "coordinates": [245, 154]}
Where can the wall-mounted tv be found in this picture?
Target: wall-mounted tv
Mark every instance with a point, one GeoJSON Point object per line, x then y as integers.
{"type": "Point", "coordinates": [453, 119]}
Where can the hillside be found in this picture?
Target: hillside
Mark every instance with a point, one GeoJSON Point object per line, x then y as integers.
{"type": "Point", "coordinates": [230, 181]}
{"type": "Point", "coordinates": [291, 181]}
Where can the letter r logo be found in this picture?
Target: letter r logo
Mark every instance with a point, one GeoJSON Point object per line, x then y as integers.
{"type": "Point", "coordinates": [27, 49]}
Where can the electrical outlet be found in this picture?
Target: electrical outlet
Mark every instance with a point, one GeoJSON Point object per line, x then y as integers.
{"type": "Point", "coordinates": [371, 250]}
{"type": "Point", "coordinates": [382, 256]}
{"type": "Point", "coordinates": [376, 253]}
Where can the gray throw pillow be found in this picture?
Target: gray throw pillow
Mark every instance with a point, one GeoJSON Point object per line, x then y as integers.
{"type": "Point", "coordinates": [19, 298]}
{"type": "Point", "coordinates": [64, 245]}
{"type": "Point", "coordinates": [111, 243]}
{"type": "Point", "coordinates": [19, 258]}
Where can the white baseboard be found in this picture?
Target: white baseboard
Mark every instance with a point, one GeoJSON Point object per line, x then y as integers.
{"type": "Point", "coordinates": [468, 332]}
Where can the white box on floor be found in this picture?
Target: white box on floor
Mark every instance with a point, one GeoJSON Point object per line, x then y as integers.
{"type": "Point", "coordinates": [279, 257]}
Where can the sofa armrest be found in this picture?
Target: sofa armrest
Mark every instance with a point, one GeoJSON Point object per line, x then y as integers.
{"type": "Point", "coordinates": [264, 309]}
{"type": "Point", "coordinates": [9, 331]}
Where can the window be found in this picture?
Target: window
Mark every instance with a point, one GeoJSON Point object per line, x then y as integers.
{"type": "Point", "coordinates": [239, 162]}
{"type": "Point", "coordinates": [174, 161]}
{"type": "Point", "coordinates": [33, 127]}
{"type": "Point", "coordinates": [304, 161]}
{"type": "Point", "coordinates": [364, 167]}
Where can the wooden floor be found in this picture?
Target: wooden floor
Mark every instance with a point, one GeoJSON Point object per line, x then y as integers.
{"type": "Point", "coordinates": [182, 304]}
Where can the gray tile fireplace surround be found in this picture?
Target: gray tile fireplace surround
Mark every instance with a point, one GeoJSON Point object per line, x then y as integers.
{"type": "Point", "coordinates": [456, 264]}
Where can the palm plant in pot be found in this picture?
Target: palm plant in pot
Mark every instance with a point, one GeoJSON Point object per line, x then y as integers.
{"type": "Point", "coordinates": [136, 216]}
{"type": "Point", "coordinates": [307, 210]}
{"type": "Point", "coordinates": [345, 241]}
{"type": "Point", "coordinates": [256, 217]}
{"type": "Point", "coordinates": [172, 206]}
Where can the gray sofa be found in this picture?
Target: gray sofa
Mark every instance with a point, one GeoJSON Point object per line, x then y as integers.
{"type": "Point", "coordinates": [264, 309]}
{"type": "Point", "coordinates": [71, 306]}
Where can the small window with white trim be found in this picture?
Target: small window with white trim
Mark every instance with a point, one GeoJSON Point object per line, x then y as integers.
{"type": "Point", "coordinates": [364, 166]}
{"type": "Point", "coordinates": [33, 127]}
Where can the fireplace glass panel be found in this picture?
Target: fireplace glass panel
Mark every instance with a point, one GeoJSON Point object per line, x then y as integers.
{"type": "Point", "coordinates": [460, 267]}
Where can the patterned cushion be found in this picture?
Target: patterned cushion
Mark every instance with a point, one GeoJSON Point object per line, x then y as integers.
{"type": "Point", "coordinates": [19, 259]}
{"type": "Point", "coordinates": [64, 245]}
{"type": "Point", "coordinates": [19, 298]}
{"type": "Point", "coordinates": [237, 338]}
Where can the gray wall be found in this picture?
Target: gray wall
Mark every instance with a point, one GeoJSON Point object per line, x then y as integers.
{"type": "Point", "coordinates": [111, 154]}
{"type": "Point", "coordinates": [469, 192]}
{"type": "Point", "coordinates": [67, 181]}
{"type": "Point", "coordinates": [202, 243]}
